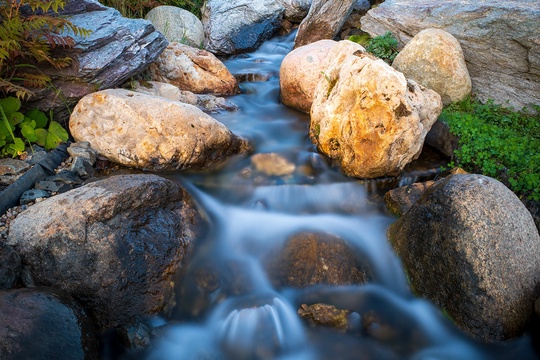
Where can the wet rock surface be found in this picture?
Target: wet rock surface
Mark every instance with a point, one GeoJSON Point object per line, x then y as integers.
{"type": "Point", "coordinates": [309, 259]}
{"type": "Point", "coordinates": [112, 244]}
{"type": "Point", "coordinates": [470, 245]}
{"type": "Point", "coordinates": [42, 324]}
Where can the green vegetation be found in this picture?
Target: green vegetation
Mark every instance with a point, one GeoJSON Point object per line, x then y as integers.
{"type": "Point", "coordinates": [383, 46]}
{"type": "Point", "coordinates": [498, 142]}
{"type": "Point", "coordinates": [17, 128]}
{"type": "Point", "coordinates": [139, 8]}
{"type": "Point", "coordinates": [27, 40]}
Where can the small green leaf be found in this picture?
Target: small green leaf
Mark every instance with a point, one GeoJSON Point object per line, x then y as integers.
{"type": "Point", "coordinates": [15, 118]}
{"type": "Point", "coordinates": [57, 135]}
{"type": "Point", "coordinates": [28, 132]}
{"type": "Point", "coordinates": [41, 136]}
{"type": "Point", "coordinates": [39, 116]}
{"type": "Point", "coordinates": [17, 148]}
{"type": "Point", "coordinates": [10, 104]}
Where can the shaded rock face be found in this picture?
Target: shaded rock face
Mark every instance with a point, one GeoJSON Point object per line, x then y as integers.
{"type": "Point", "coordinates": [177, 24]}
{"type": "Point", "coordinates": [300, 72]}
{"type": "Point", "coordinates": [10, 266]}
{"type": "Point", "coordinates": [295, 10]}
{"type": "Point", "coordinates": [115, 245]}
{"type": "Point", "coordinates": [323, 21]}
{"type": "Point", "coordinates": [194, 70]}
{"type": "Point", "coordinates": [44, 323]}
{"type": "Point", "coordinates": [151, 132]}
{"type": "Point", "coordinates": [399, 200]}
{"type": "Point", "coordinates": [117, 49]}
{"type": "Point", "coordinates": [232, 27]}
{"type": "Point", "coordinates": [368, 117]}
{"type": "Point", "coordinates": [434, 59]}
{"type": "Point", "coordinates": [470, 245]}
{"type": "Point", "coordinates": [499, 40]}
{"type": "Point", "coordinates": [309, 259]}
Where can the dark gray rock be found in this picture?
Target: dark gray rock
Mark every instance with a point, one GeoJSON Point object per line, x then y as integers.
{"type": "Point", "coordinates": [232, 27]}
{"type": "Point", "coordinates": [499, 40]}
{"type": "Point", "coordinates": [82, 166]}
{"type": "Point", "coordinates": [43, 324]}
{"type": "Point", "coordinates": [117, 49]}
{"type": "Point", "coordinates": [114, 244]}
{"type": "Point", "coordinates": [324, 20]}
{"type": "Point", "coordinates": [33, 194]}
{"type": "Point", "coordinates": [12, 166]}
{"type": "Point", "coordinates": [471, 246]}
{"type": "Point", "coordinates": [10, 266]}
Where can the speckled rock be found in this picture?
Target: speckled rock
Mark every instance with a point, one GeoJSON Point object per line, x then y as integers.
{"type": "Point", "coordinates": [151, 132]}
{"type": "Point", "coordinates": [177, 24]}
{"type": "Point", "coordinates": [300, 72]}
{"type": "Point", "coordinates": [434, 59]}
{"type": "Point", "coordinates": [471, 246]}
{"type": "Point", "coordinates": [367, 116]}
{"type": "Point", "coordinates": [42, 324]}
{"type": "Point", "coordinates": [114, 244]}
{"type": "Point", "coordinates": [194, 70]}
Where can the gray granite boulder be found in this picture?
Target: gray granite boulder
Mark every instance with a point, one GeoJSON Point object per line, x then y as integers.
{"type": "Point", "coordinates": [499, 40]}
{"type": "Point", "coordinates": [115, 245]}
{"type": "Point", "coordinates": [177, 25]}
{"type": "Point", "coordinates": [471, 246]}
{"type": "Point", "coordinates": [232, 27]}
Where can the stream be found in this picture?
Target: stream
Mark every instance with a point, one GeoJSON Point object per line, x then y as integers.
{"type": "Point", "coordinates": [228, 304]}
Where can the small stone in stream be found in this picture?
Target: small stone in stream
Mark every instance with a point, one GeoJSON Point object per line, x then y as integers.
{"type": "Point", "coordinates": [82, 166]}
{"type": "Point", "coordinates": [252, 77]}
{"type": "Point", "coordinates": [136, 336]}
{"type": "Point", "coordinates": [33, 195]}
{"type": "Point", "coordinates": [325, 315]}
{"type": "Point", "coordinates": [272, 164]}
{"type": "Point", "coordinates": [66, 177]}
{"type": "Point", "coordinates": [12, 166]}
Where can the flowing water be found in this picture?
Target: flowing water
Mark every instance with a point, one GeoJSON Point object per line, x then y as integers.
{"type": "Point", "coordinates": [228, 304]}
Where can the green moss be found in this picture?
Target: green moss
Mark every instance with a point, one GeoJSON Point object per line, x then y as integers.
{"type": "Point", "coordinates": [383, 46]}
{"type": "Point", "coordinates": [498, 142]}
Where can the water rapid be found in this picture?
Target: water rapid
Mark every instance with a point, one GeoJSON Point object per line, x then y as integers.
{"type": "Point", "coordinates": [229, 303]}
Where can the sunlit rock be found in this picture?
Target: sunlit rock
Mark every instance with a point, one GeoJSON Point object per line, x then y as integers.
{"type": "Point", "coordinates": [177, 24]}
{"type": "Point", "coordinates": [503, 55]}
{"type": "Point", "coordinates": [300, 72]}
{"type": "Point", "coordinates": [434, 59]}
{"type": "Point", "coordinates": [315, 258]}
{"type": "Point", "coordinates": [238, 26]}
{"type": "Point", "coordinates": [44, 323]}
{"type": "Point", "coordinates": [115, 245]}
{"type": "Point", "coordinates": [151, 132]}
{"type": "Point", "coordinates": [367, 116]}
{"type": "Point", "coordinates": [471, 246]}
{"type": "Point", "coordinates": [194, 70]}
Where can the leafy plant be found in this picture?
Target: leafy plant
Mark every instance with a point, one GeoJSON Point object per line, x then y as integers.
{"type": "Point", "coordinates": [139, 8]}
{"type": "Point", "coordinates": [383, 46]}
{"type": "Point", "coordinates": [29, 31]}
{"type": "Point", "coordinates": [498, 142]}
{"type": "Point", "coordinates": [17, 128]}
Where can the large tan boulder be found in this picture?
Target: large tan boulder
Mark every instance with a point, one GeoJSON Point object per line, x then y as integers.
{"type": "Point", "coordinates": [193, 69]}
{"type": "Point", "coordinates": [434, 59]}
{"type": "Point", "coordinates": [367, 116]}
{"type": "Point", "coordinates": [300, 72]}
{"type": "Point", "coordinates": [151, 132]}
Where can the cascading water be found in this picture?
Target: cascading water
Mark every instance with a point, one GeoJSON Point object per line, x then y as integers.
{"type": "Point", "coordinates": [228, 304]}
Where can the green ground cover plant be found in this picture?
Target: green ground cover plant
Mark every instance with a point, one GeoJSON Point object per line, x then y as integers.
{"type": "Point", "coordinates": [498, 142]}
{"type": "Point", "coordinates": [138, 9]}
{"type": "Point", "coordinates": [383, 46]}
{"type": "Point", "coordinates": [18, 130]}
